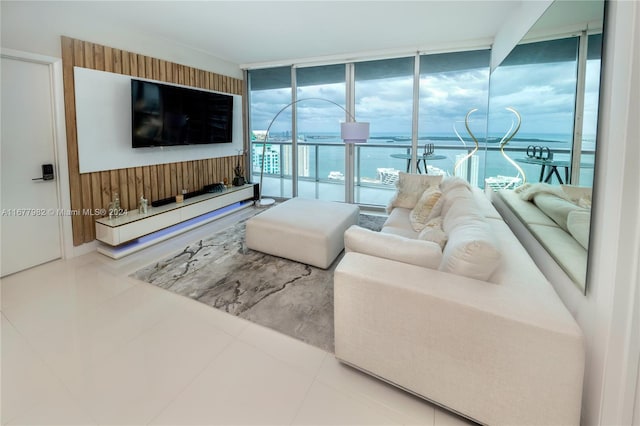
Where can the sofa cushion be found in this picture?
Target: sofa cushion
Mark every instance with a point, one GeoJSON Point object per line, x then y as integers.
{"type": "Point", "coordinates": [471, 250]}
{"type": "Point", "coordinates": [526, 211]}
{"type": "Point", "coordinates": [453, 182]}
{"type": "Point", "coordinates": [393, 247]}
{"type": "Point", "coordinates": [578, 222]}
{"type": "Point", "coordinates": [433, 232]}
{"type": "Point", "coordinates": [459, 208]}
{"type": "Point", "coordinates": [409, 189]}
{"type": "Point", "coordinates": [454, 194]}
{"type": "Point", "coordinates": [422, 211]}
{"type": "Point", "coordinates": [530, 190]}
{"type": "Point", "coordinates": [565, 249]}
{"type": "Point", "coordinates": [516, 269]}
{"type": "Point", "coordinates": [398, 223]}
{"type": "Point", "coordinates": [556, 208]}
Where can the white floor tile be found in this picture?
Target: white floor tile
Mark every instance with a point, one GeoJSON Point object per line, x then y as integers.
{"type": "Point", "coordinates": [226, 322]}
{"type": "Point", "coordinates": [305, 357]}
{"type": "Point", "coordinates": [26, 381]}
{"type": "Point", "coordinates": [82, 343]}
{"type": "Point", "coordinates": [64, 295]}
{"type": "Point", "coordinates": [241, 386]}
{"type": "Point", "coordinates": [348, 379]}
{"type": "Point", "coordinates": [59, 409]}
{"type": "Point", "coordinates": [325, 405]}
{"type": "Point", "coordinates": [90, 338]}
{"type": "Point", "coordinates": [137, 382]}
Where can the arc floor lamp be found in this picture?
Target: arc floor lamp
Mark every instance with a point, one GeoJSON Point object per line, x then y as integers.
{"type": "Point", "coordinates": [350, 132]}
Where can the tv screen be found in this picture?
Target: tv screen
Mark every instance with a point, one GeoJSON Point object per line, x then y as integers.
{"type": "Point", "coordinates": [164, 115]}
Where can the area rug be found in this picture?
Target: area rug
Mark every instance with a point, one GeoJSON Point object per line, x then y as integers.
{"type": "Point", "coordinates": [284, 295]}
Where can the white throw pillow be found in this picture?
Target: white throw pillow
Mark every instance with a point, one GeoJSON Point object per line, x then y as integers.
{"type": "Point", "coordinates": [422, 210]}
{"type": "Point", "coordinates": [433, 232]}
{"type": "Point", "coordinates": [471, 251]}
{"type": "Point", "coordinates": [578, 222]}
{"type": "Point", "coordinates": [393, 247]}
{"type": "Point", "coordinates": [409, 189]}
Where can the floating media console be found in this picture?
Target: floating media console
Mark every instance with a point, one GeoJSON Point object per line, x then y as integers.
{"type": "Point", "coordinates": [134, 231]}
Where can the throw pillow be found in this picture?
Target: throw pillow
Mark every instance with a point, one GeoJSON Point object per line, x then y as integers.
{"type": "Point", "coordinates": [420, 213]}
{"type": "Point", "coordinates": [433, 232]}
{"type": "Point", "coordinates": [436, 211]}
{"type": "Point", "coordinates": [409, 189]}
{"type": "Point", "coordinates": [393, 247]}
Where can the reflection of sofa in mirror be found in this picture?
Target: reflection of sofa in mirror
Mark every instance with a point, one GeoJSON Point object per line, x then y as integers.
{"type": "Point", "coordinates": [559, 218]}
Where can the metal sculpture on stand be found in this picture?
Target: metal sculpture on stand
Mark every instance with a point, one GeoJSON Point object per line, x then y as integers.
{"type": "Point", "coordinates": [505, 140]}
{"type": "Point", "coordinates": [470, 154]}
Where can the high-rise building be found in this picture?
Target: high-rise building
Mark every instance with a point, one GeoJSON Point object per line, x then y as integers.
{"type": "Point", "coordinates": [271, 159]}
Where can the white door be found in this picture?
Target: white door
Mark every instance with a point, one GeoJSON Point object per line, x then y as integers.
{"type": "Point", "coordinates": [30, 221]}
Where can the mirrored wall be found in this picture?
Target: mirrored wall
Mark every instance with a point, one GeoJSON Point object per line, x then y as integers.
{"type": "Point", "coordinates": [548, 89]}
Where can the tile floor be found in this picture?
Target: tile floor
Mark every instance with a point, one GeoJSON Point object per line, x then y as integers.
{"type": "Point", "coordinates": [84, 344]}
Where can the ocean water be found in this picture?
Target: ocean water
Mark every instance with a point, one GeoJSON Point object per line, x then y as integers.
{"type": "Point", "coordinates": [326, 152]}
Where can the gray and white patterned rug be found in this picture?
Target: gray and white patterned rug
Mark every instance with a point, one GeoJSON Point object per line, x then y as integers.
{"type": "Point", "coordinates": [287, 296]}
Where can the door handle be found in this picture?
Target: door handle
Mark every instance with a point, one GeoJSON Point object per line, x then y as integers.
{"type": "Point", "coordinates": [47, 172]}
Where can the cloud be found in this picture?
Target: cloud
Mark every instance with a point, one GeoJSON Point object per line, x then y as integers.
{"type": "Point", "coordinates": [544, 94]}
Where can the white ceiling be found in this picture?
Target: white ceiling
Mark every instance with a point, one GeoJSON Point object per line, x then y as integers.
{"type": "Point", "coordinates": [259, 32]}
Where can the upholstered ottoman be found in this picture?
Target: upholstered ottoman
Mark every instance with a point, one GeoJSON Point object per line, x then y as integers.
{"type": "Point", "coordinates": [305, 230]}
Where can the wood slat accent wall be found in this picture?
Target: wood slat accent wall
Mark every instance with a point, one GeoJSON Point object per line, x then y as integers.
{"type": "Point", "coordinates": [91, 191]}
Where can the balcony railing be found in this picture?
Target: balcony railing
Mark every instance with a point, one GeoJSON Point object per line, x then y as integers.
{"type": "Point", "coordinates": [315, 169]}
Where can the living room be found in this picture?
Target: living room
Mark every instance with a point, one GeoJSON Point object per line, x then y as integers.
{"type": "Point", "coordinates": [606, 313]}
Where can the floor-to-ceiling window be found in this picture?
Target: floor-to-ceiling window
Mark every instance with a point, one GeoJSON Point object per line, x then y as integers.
{"type": "Point", "coordinates": [320, 110]}
{"type": "Point", "coordinates": [384, 98]}
{"type": "Point", "coordinates": [269, 92]}
{"type": "Point", "coordinates": [451, 86]}
{"type": "Point", "coordinates": [424, 106]}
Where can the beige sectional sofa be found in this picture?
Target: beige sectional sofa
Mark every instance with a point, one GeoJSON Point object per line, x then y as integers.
{"type": "Point", "coordinates": [482, 336]}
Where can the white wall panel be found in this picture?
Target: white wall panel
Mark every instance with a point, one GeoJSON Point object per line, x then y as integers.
{"type": "Point", "coordinates": [103, 114]}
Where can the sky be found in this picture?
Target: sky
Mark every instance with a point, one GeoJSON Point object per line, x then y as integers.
{"type": "Point", "coordinates": [543, 95]}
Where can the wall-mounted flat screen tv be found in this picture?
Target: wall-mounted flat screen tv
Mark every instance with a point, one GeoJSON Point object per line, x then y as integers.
{"type": "Point", "coordinates": [165, 115]}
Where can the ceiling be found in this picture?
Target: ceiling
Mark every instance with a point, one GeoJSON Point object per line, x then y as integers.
{"type": "Point", "coordinates": [269, 32]}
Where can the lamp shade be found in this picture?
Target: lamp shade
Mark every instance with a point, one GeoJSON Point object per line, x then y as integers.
{"type": "Point", "coordinates": [354, 132]}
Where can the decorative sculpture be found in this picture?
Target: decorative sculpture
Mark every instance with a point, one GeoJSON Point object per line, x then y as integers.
{"type": "Point", "coordinates": [238, 179]}
{"type": "Point", "coordinates": [470, 154]}
{"type": "Point", "coordinates": [505, 140]}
